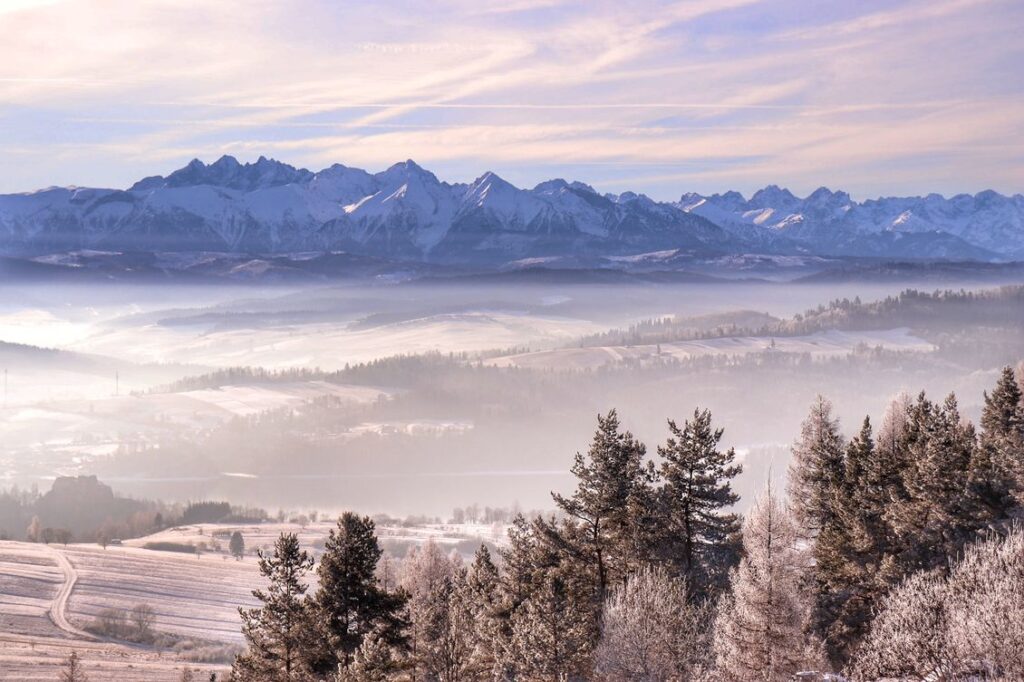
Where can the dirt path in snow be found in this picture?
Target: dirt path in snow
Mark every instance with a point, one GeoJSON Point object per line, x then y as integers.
{"type": "Point", "coordinates": [59, 606]}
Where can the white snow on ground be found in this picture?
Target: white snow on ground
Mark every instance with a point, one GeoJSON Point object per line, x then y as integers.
{"type": "Point", "coordinates": [40, 587]}
{"type": "Point", "coordinates": [821, 344]}
{"type": "Point", "coordinates": [245, 400]}
{"type": "Point", "coordinates": [331, 346]}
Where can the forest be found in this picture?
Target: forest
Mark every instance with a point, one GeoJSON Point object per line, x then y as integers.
{"type": "Point", "coordinates": [893, 552]}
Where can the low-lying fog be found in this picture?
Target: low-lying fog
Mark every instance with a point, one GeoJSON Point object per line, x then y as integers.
{"type": "Point", "coordinates": [498, 426]}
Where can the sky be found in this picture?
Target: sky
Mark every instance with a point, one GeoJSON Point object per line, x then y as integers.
{"type": "Point", "coordinates": [877, 98]}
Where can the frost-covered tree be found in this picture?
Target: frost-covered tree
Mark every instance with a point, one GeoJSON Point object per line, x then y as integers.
{"type": "Point", "coordinates": [969, 624]}
{"type": "Point", "coordinates": [374, 661]}
{"type": "Point", "coordinates": [694, 528]}
{"type": "Point", "coordinates": [277, 634]}
{"type": "Point", "coordinates": [652, 630]}
{"type": "Point", "coordinates": [442, 633]}
{"type": "Point", "coordinates": [759, 629]}
{"type": "Point", "coordinates": [937, 514]}
{"type": "Point", "coordinates": [908, 638]}
{"type": "Point", "coordinates": [482, 586]}
{"type": "Point", "coordinates": [817, 468]}
{"type": "Point", "coordinates": [998, 475]}
{"type": "Point", "coordinates": [350, 603]}
{"type": "Point", "coordinates": [553, 630]}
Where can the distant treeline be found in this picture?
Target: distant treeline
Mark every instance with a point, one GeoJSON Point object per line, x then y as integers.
{"type": "Point", "coordinates": [911, 308]}
{"type": "Point", "coordinates": [941, 316]}
{"type": "Point", "coordinates": [319, 436]}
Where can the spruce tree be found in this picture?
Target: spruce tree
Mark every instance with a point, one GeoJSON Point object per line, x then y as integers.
{"type": "Point", "coordinates": [277, 633]}
{"type": "Point", "coordinates": [553, 633]}
{"type": "Point", "coordinates": [938, 514]}
{"type": "Point", "coordinates": [694, 529]}
{"type": "Point", "coordinates": [851, 567]}
{"type": "Point", "coordinates": [482, 586]}
{"type": "Point", "coordinates": [547, 615]}
{"type": "Point", "coordinates": [997, 476]}
{"type": "Point", "coordinates": [817, 468]}
{"type": "Point", "coordinates": [349, 603]}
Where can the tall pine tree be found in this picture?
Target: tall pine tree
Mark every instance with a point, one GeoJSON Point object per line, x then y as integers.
{"type": "Point", "coordinates": [277, 634]}
{"type": "Point", "coordinates": [612, 504]}
{"type": "Point", "coordinates": [350, 603]}
{"type": "Point", "coordinates": [694, 529]}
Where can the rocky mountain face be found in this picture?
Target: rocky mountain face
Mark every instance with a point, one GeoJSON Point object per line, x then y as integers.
{"type": "Point", "coordinates": [407, 213]}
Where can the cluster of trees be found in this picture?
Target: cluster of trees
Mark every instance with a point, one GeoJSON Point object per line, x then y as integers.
{"type": "Point", "coordinates": [133, 625]}
{"type": "Point", "coordinates": [645, 574]}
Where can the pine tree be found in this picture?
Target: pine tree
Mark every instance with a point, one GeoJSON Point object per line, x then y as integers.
{"type": "Point", "coordinates": [817, 468]}
{"type": "Point", "coordinates": [612, 503]}
{"type": "Point", "coordinates": [72, 670]}
{"type": "Point", "coordinates": [349, 603]}
{"type": "Point", "coordinates": [277, 633]}
{"type": "Point", "coordinates": [760, 623]}
{"type": "Point", "coordinates": [693, 526]}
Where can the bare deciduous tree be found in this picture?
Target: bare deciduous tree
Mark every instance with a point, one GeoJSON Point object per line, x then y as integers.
{"type": "Point", "coordinates": [652, 631]}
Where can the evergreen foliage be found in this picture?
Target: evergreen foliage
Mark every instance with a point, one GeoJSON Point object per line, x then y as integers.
{"type": "Point", "coordinates": [694, 528]}
{"type": "Point", "coordinates": [349, 603]}
{"type": "Point", "coordinates": [278, 633]}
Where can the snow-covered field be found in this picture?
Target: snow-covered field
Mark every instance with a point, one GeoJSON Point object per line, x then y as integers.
{"type": "Point", "coordinates": [820, 344]}
{"type": "Point", "coordinates": [331, 346]}
{"type": "Point", "coordinates": [48, 593]}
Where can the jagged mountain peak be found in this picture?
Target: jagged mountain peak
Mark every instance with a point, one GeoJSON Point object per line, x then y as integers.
{"type": "Point", "coordinates": [772, 195]}
{"type": "Point", "coordinates": [228, 172]}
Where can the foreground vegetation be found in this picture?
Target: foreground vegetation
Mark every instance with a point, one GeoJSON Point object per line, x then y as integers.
{"type": "Point", "coordinates": [894, 554]}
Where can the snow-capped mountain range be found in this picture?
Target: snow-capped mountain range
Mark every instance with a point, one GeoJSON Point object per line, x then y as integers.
{"type": "Point", "coordinates": [407, 213]}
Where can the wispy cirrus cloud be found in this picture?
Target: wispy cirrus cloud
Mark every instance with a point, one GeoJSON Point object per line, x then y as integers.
{"type": "Point", "coordinates": [876, 97]}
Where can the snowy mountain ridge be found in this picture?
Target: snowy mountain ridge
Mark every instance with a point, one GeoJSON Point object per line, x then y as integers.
{"type": "Point", "coordinates": [833, 223]}
{"type": "Point", "coordinates": [405, 212]}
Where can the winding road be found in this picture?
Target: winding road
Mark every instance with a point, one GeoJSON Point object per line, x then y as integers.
{"type": "Point", "coordinates": [59, 605]}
